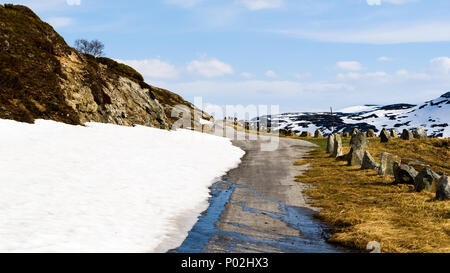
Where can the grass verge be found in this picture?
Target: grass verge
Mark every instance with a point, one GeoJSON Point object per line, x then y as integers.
{"type": "Point", "coordinates": [362, 206]}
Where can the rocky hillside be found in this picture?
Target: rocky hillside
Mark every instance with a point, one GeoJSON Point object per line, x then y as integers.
{"type": "Point", "coordinates": [433, 116]}
{"type": "Point", "coordinates": [41, 77]}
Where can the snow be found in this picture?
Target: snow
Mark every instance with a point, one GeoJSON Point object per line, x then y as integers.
{"type": "Point", "coordinates": [104, 188]}
{"type": "Point", "coordinates": [205, 122]}
{"type": "Point", "coordinates": [433, 116]}
{"type": "Point", "coordinates": [357, 109]}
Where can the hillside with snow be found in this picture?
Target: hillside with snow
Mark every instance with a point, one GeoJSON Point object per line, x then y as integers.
{"type": "Point", "coordinates": [103, 187]}
{"type": "Point", "coordinates": [433, 116]}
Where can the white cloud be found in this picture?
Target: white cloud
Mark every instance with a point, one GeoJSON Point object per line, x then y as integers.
{"type": "Point", "coordinates": [247, 75]}
{"type": "Point", "coordinates": [384, 59]}
{"type": "Point", "coordinates": [351, 76]}
{"type": "Point", "coordinates": [184, 3]}
{"type": "Point", "coordinates": [60, 22]}
{"type": "Point", "coordinates": [153, 68]}
{"type": "Point", "coordinates": [301, 76]}
{"type": "Point", "coordinates": [349, 65]}
{"type": "Point", "coordinates": [271, 74]}
{"type": "Point", "coordinates": [73, 2]}
{"type": "Point", "coordinates": [395, 2]}
{"type": "Point", "coordinates": [262, 4]}
{"type": "Point", "coordinates": [395, 33]}
{"type": "Point", "coordinates": [440, 65]}
{"type": "Point", "coordinates": [210, 68]}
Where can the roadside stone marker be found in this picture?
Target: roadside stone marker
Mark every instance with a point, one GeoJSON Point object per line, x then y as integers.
{"type": "Point", "coordinates": [443, 189]}
{"type": "Point", "coordinates": [386, 164]}
{"type": "Point", "coordinates": [426, 180]}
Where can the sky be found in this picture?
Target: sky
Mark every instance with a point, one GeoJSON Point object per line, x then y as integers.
{"type": "Point", "coordinates": [303, 55]}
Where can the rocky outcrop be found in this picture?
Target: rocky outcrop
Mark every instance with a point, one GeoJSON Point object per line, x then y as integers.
{"type": "Point", "coordinates": [386, 164]}
{"type": "Point", "coordinates": [44, 78]}
{"type": "Point", "coordinates": [426, 180]}
{"type": "Point", "coordinates": [404, 174]}
{"type": "Point", "coordinates": [407, 135]}
{"type": "Point", "coordinates": [443, 189]}
{"type": "Point", "coordinates": [368, 163]}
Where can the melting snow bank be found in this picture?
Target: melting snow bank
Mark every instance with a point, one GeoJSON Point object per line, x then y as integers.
{"type": "Point", "coordinates": [104, 188]}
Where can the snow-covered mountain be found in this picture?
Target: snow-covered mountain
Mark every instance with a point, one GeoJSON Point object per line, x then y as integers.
{"type": "Point", "coordinates": [433, 116]}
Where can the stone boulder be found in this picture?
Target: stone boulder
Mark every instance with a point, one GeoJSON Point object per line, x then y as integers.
{"type": "Point", "coordinates": [407, 135]}
{"type": "Point", "coordinates": [305, 134]}
{"type": "Point", "coordinates": [330, 143]}
{"type": "Point", "coordinates": [368, 163]}
{"type": "Point", "coordinates": [355, 157]}
{"type": "Point", "coordinates": [371, 133]}
{"type": "Point", "coordinates": [416, 164]}
{"type": "Point", "coordinates": [443, 189]}
{"type": "Point", "coordinates": [286, 132]}
{"type": "Point", "coordinates": [419, 132]}
{"type": "Point", "coordinates": [386, 164]}
{"type": "Point", "coordinates": [404, 174]}
{"type": "Point", "coordinates": [426, 180]}
{"type": "Point", "coordinates": [337, 152]}
{"type": "Point", "coordinates": [359, 140]}
{"type": "Point", "coordinates": [394, 133]}
{"type": "Point", "coordinates": [385, 136]}
{"type": "Point", "coordinates": [318, 134]}
{"type": "Point", "coordinates": [354, 131]}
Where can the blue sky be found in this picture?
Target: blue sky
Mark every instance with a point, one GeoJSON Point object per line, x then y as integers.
{"type": "Point", "coordinates": [300, 54]}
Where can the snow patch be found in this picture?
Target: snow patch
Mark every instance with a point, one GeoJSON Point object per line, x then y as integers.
{"type": "Point", "coordinates": [104, 188]}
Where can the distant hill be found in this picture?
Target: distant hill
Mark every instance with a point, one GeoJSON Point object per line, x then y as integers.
{"type": "Point", "coordinates": [41, 77]}
{"type": "Point", "coordinates": [433, 115]}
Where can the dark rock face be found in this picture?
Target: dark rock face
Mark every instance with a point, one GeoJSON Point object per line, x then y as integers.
{"type": "Point", "coordinates": [368, 163]}
{"type": "Point", "coordinates": [371, 133]}
{"type": "Point", "coordinates": [394, 133]}
{"type": "Point", "coordinates": [404, 174]}
{"type": "Point", "coordinates": [443, 189]}
{"type": "Point", "coordinates": [385, 136]}
{"type": "Point", "coordinates": [330, 143]}
{"type": "Point", "coordinates": [419, 132]}
{"type": "Point", "coordinates": [407, 135]}
{"type": "Point", "coordinates": [318, 134]}
{"type": "Point", "coordinates": [42, 77]}
{"type": "Point", "coordinates": [337, 152]}
{"type": "Point", "coordinates": [426, 180]}
{"type": "Point", "coordinates": [386, 164]}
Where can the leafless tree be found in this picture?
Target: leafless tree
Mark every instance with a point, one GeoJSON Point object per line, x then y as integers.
{"type": "Point", "coordinates": [94, 47]}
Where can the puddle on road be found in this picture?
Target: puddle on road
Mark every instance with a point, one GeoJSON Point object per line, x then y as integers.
{"type": "Point", "coordinates": [206, 237]}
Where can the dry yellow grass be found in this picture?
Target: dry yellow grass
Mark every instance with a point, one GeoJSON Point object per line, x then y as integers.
{"type": "Point", "coordinates": [363, 206]}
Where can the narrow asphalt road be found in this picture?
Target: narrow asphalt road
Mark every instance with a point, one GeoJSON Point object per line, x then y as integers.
{"type": "Point", "coordinates": [266, 210]}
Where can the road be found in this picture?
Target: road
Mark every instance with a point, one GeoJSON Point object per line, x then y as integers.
{"type": "Point", "coordinates": [266, 210]}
